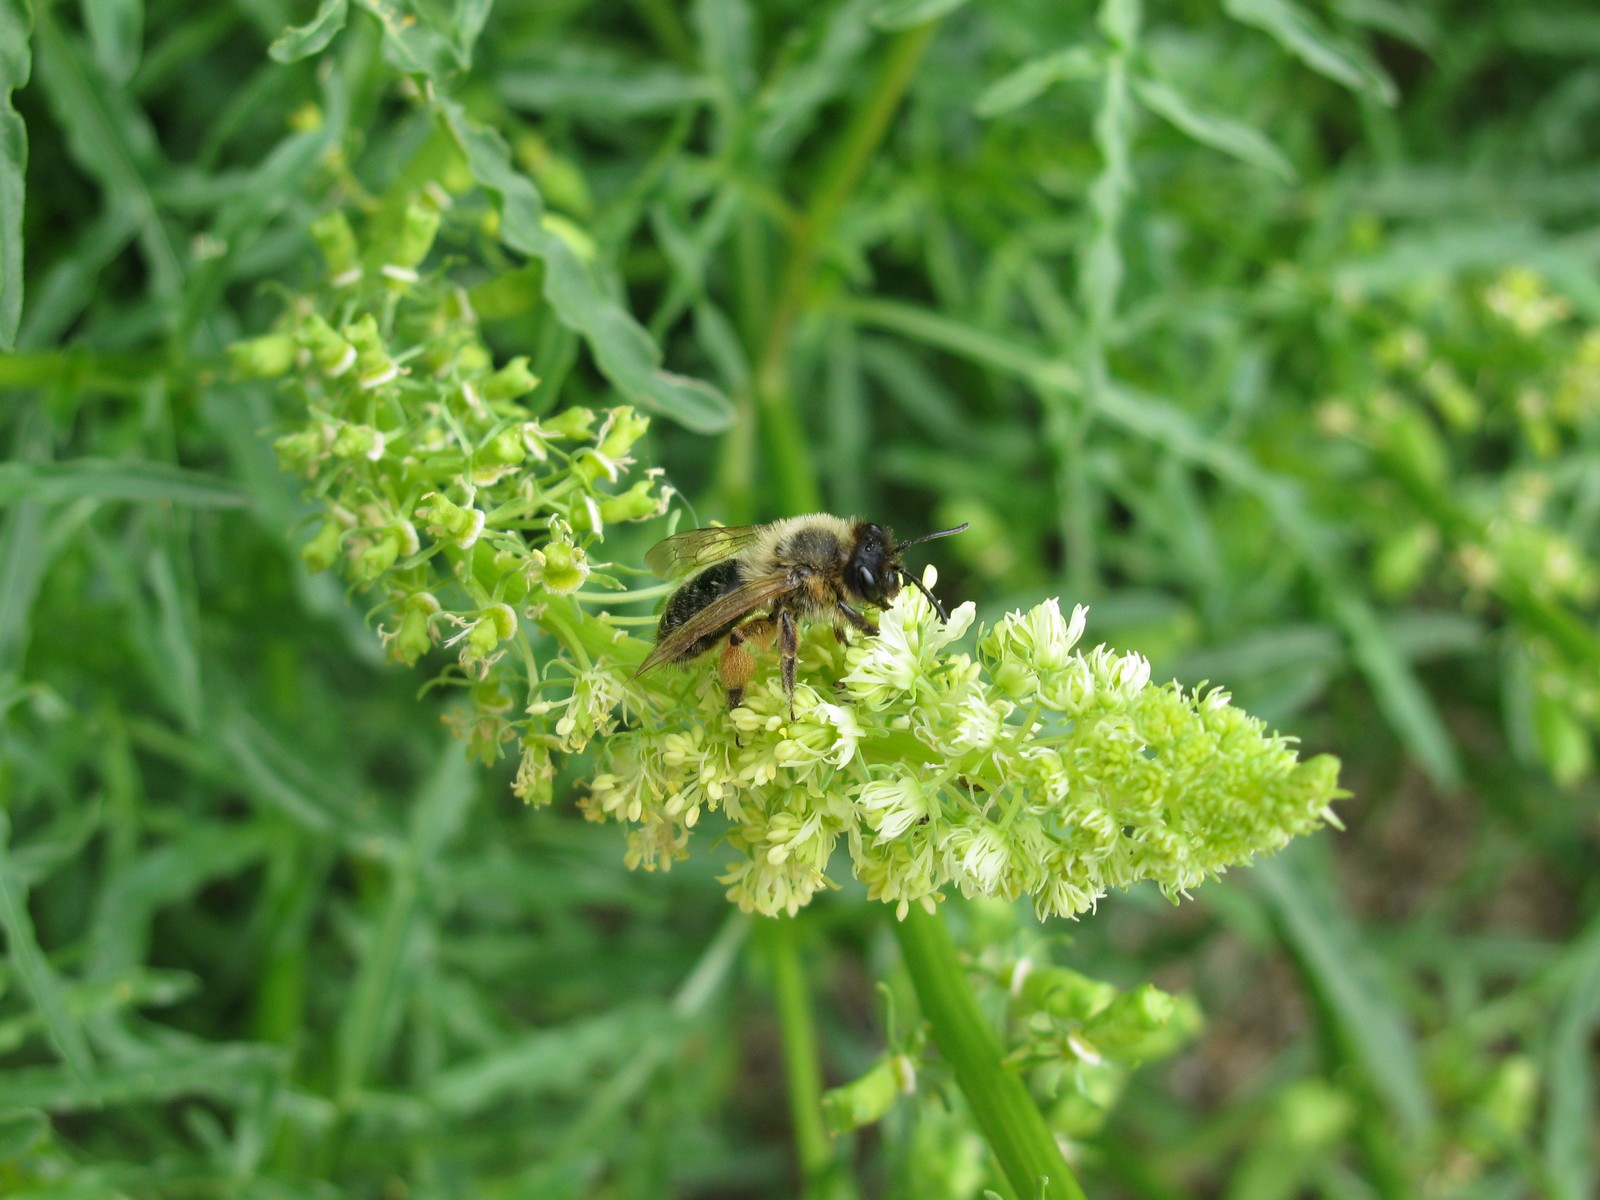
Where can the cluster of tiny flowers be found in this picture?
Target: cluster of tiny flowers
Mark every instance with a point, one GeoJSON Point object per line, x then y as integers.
{"type": "Point", "coordinates": [446, 487]}
{"type": "Point", "coordinates": [1507, 368]}
{"type": "Point", "coordinates": [1032, 769]}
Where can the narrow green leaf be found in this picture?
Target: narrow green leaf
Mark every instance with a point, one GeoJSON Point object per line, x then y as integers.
{"type": "Point", "coordinates": [622, 349]}
{"type": "Point", "coordinates": [903, 14]}
{"type": "Point", "coordinates": [1220, 133]}
{"type": "Point", "coordinates": [1303, 36]}
{"type": "Point", "coordinates": [1033, 77]}
{"type": "Point", "coordinates": [116, 34]}
{"type": "Point", "coordinates": [466, 23]}
{"type": "Point", "coordinates": [22, 947]}
{"type": "Point", "coordinates": [556, 1060]}
{"type": "Point", "coordinates": [177, 634]}
{"type": "Point", "coordinates": [217, 1070]}
{"type": "Point", "coordinates": [109, 479]}
{"type": "Point", "coordinates": [16, 64]}
{"type": "Point", "coordinates": [112, 140]}
{"type": "Point", "coordinates": [614, 92]}
{"type": "Point", "coordinates": [302, 41]}
{"type": "Point", "coordinates": [1343, 970]}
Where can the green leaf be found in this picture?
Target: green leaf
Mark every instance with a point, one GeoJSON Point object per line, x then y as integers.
{"type": "Point", "coordinates": [903, 14]}
{"type": "Point", "coordinates": [108, 479]}
{"type": "Point", "coordinates": [622, 349]}
{"type": "Point", "coordinates": [1303, 36]}
{"type": "Point", "coordinates": [302, 41]}
{"type": "Point", "coordinates": [110, 137]}
{"type": "Point", "coordinates": [22, 947]}
{"type": "Point", "coordinates": [1344, 972]}
{"type": "Point", "coordinates": [116, 33]}
{"type": "Point", "coordinates": [16, 64]}
{"type": "Point", "coordinates": [1220, 133]}
{"type": "Point", "coordinates": [1030, 80]}
{"type": "Point", "coordinates": [216, 1070]}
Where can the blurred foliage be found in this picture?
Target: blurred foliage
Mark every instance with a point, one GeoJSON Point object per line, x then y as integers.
{"type": "Point", "coordinates": [1268, 332]}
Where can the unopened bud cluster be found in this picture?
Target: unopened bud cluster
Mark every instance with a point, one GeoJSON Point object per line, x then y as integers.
{"type": "Point", "coordinates": [1481, 402]}
{"type": "Point", "coordinates": [444, 483]}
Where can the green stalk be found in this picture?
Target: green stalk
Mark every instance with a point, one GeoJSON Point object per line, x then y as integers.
{"type": "Point", "coordinates": [1007, 1116]}
{"type": "Point", "coordinates": [781, 428]}
{"type": "Point", "coordinates": [801, 1060]}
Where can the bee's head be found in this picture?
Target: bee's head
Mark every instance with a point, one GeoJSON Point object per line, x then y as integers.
{"type": "Point", "coordinates": [874, 571]}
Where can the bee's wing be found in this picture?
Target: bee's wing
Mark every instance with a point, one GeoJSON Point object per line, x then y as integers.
{"type": "Point", "coordinates": [694, 549]}
{"type": "Point", "coordinates": [723, 611]}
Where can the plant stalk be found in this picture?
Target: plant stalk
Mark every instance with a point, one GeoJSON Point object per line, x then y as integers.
{"type": "Point", "coordinates": [1007, 1116]}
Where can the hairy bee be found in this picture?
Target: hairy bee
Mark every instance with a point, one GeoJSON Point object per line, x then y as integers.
{"type": "Point", "coordinates": [757, 582]}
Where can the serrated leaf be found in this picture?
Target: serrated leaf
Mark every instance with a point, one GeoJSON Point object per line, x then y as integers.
{"type": "Point", "coordinates": [622, 349]}
{"type": "Point", "coordinates": [1303, 36]}
{"type": "Point", "coordinates": [107, 479]}
{"type": "Point", "coordinates": [1220, 133]}
{"type": "Point", "coordinates": [302, 41]}
{"type": "Point", "coordinates": [16, 64]}
{"type": "Point", "coordinates": [1033, 77]}
{"type": "Point", "coordinates": [903, 14]}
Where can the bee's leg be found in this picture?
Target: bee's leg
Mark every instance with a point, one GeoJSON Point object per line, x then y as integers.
{"type": "Point", "coordinates": [856, 619]}
{"type": "Point", "coordinates": [736, 668]}
{"type": "Point", "coordinates": [788, 648]}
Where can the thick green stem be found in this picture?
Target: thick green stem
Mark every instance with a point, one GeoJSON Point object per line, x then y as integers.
{"type": "Point", "coordinates": [802, 1063]}
{"type": "Point", "coordinates": [1007, 1116]}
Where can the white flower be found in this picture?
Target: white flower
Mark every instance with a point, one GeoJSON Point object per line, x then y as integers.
{"type": "Point", "coordinates": [894, 805]}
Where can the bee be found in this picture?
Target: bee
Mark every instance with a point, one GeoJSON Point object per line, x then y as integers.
{"type": "Point", "coordinates": [754, 583]}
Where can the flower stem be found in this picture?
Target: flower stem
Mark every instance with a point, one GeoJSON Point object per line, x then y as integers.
{"type": "Point", "coordinates": [802, 1063]}
{"type": "Point", "coordinates": [1007, 1116]}
{"type": "Point", "coordinates": [779, 421]}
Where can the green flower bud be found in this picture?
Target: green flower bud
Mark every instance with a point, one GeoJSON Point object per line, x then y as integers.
{"type": "Point", "coordinates": [414, 636]}
{"type": "Point", "coordinates": [417, 230]}
{"type": "Point", "coordinates": [510, 381]}
{"type": "Point", "coordinates": [450, 521]}
{"type": "Point", "coordinates": [383, 550]}
{"type": "Point", "coordinates": [563, 567]}
{"type": "Point", "coordinates": [504, 449]}
{"type": "Point", "coordinates": [642, 500]}
{"type": "Point", "coordinates": [322, 551]}
{"type": "Point", "coordinates": [866, 1100]}
{"type": "Point", "coordinates": [332, 354]}
{"type": "Point", "coordinates": [359, 441]}
{"type": "Point", "coordinates": [624, 428]}
{"type": "Point", "coordinates": [263, 357]}
{"type": "Point", "coordinates": [1062, 993]}
{"type": "Point", "coordinates": [536, 774]}
{"type": "Point", "coordinates": [374, 367]}
{"type": "Point", "coordinates": [571, 424]}
{"type": "Point", "coordinates": [337, 241]}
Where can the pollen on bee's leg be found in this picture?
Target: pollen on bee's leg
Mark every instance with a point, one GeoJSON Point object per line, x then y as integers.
{"type": "Point", "coordinates": [735, 669]}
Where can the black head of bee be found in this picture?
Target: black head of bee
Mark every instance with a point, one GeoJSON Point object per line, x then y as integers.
{"type": "Point", "coordinates": [873, 570]}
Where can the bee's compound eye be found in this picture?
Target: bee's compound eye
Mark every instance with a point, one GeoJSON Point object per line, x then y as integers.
{"type": "Point", "coordinates": [866, 578]}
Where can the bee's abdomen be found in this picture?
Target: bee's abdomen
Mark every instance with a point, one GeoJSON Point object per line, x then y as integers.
{"type": "Point", "coordinates": [711, 584]}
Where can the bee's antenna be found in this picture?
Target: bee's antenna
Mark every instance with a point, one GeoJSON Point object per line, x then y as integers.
{"type": "Point", "coordinates": [908, 577]}
{"type": "Point", "coordinates": [928, 537]}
